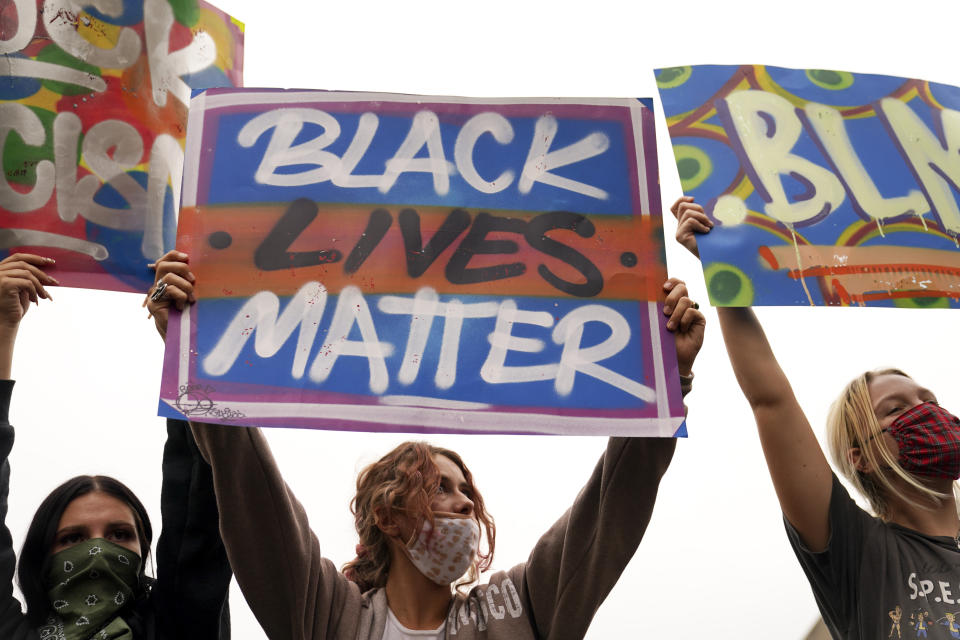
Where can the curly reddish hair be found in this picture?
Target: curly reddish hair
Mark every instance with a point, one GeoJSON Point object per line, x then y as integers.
{"type": "Point", "coordinates": [405, 482]}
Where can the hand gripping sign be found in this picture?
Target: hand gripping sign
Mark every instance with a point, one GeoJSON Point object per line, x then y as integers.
{"type": "Point", "coordinates": [826, 187]}
{"type": "Point", "coordinates": [422, 263]}
{"type": "Point", "coordinates": [93, 110]}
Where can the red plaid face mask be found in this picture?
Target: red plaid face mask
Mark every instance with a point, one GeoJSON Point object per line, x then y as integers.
{"type": "Point", "coordinates": [929, 440]}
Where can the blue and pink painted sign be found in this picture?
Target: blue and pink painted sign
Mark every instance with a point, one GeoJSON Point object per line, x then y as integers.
{"type": "Point", "coordinates": [422, 263]}
{"type": "Point", "coordinates": [826, 187]}
{"type": "Point", "coordinates": [93, 113]}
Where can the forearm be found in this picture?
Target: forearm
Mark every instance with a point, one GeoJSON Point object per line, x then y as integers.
{"type": "Point", "coordinates": [578, 561]}
{"type": "Point", "coordinates": [13, 623]}
{"type": "Point", "coordinates": [8, 337]}
{"type": "Point", "coordinates": [758, 373]}
{"type": "Point", "coordinates": [193, 573]}
{"type": "Point", "coordinates": [799, 470]}
{"type": "Point", "coordinates": [274, 554]}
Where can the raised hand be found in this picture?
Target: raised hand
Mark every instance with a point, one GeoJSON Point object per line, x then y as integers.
{"type": "Point", "coordinates": [691, 220]}
{"type": "Point", "coordinates": [22, 281]}
{"type": "Point", "coordinates": [685, 321]}
{"type": "Point", "coordinates": [173, 287]}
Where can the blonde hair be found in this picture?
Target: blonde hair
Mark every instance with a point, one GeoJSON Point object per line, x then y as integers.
{"type": "Point", "coordinates": [852, 423]}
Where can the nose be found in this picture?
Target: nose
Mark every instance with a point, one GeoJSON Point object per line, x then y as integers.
{"type": "Point", "coordinates": [463, 505]}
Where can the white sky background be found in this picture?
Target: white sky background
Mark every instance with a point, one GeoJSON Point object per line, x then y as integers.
{"type": "Point", "coordinates": [715, 561]}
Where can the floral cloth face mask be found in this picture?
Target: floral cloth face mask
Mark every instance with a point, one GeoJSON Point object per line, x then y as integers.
{"type": "Point", "coordinates": [88, 584]}
{"type": "Point", "coordinates": [928, 437]}
{"type": "Point", "coordinates": [443, 552]}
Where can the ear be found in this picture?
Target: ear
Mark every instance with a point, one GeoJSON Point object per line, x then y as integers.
{"type": "Point", "coordinates": [858, 460]}
{"type": "Point", "coordinates": [386, 522]}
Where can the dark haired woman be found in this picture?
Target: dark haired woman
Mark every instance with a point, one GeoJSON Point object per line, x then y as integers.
{"type": "Point", "coordinates": [82, 566]}
{"type": "Point", "coordinates": [420, 518]}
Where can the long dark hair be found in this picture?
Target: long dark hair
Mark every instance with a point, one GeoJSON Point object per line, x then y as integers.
{"type": "Point", "coordinates": [35, 555]}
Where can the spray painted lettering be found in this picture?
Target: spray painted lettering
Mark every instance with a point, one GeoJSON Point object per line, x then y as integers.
{"type": "Point", "coordinates": [351, 275]}
{"type": "Point", "coordinates": [848, 181]}
{"type": "Point", "coordinates": [92, 114]}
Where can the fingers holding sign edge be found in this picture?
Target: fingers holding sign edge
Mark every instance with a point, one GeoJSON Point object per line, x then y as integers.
{"type": "Point", "coordinates": [173, 285]}
{"type": "Point", "coordinates": [691, 221]}
{"type": "Point", "coordinates": [26, 268]}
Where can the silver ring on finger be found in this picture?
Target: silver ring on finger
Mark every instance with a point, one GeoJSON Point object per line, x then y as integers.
{"type": "Point", "coordinates": [157, 294]}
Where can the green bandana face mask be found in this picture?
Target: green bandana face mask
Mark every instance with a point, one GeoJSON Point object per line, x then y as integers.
{"type": "Point", "coordinates": [88, 584]}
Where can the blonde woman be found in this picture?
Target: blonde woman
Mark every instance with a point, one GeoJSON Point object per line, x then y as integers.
{"type": "Point", "coordinates": [893, 442]}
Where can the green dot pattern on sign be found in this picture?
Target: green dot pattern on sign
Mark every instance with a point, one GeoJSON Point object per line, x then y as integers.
{"type": "Point", "coordinates": [186, 12]}
{"type": "Point", "coordinates": [673, 77]}
{"type": "Point", "coordinates": [693, 165]}
{"type": "Point", "coordinates": [55, 55]}
{"type": "Point", "coordinates": [688, 168]}
{"type": "Point", "coordinates": [922, 303]}
{"type": "Point", "coordinates": [828, 79]}
{"type": "Point", "coordinates": [728, 286]}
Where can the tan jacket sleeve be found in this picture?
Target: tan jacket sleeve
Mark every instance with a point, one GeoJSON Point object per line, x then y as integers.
{"type": "Point", "coordinates": [291, 589]}
{"type": "Point", "coordinates": [579, 559]}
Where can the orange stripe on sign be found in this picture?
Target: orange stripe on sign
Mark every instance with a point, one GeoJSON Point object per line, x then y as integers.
{"type": "Point", "coordinates": [874, 268]}
{"type": "Point", "coordinates": [518, 252]}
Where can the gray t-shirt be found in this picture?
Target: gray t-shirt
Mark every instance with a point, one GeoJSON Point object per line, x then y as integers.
{"type": "Point", "coordinates": [880, 580]}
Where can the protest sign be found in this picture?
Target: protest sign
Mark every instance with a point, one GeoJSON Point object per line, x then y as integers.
{"type": "Point", "coordinates": [93, 108]}
{"type": "Point", "coordinates": [422, 263]}
{"type": "Point", "coordinates": [826, 187]}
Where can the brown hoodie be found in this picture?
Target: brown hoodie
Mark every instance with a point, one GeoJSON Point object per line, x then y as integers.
{"type": "Point", "coordinates": [296, 593]}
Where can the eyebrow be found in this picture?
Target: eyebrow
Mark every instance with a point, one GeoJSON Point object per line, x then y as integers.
{"type": "Point", "coordinates": [899, 396]}
{"type": "Point", "coordinates": [71, 529]}
{"type": "Point", "coordinates": [110, 525]}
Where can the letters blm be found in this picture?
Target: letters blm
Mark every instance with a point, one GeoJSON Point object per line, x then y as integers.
{"type": "Point", "coordinates": [826, 187]}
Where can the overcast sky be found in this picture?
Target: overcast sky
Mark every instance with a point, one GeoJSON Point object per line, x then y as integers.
{"type": "Point", "coordinates": [715, 561]}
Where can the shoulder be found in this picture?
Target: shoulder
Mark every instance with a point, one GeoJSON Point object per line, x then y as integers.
{"type": "Point", "coordinates": [847, 521]}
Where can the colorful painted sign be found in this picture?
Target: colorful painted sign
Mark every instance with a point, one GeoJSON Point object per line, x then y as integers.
{"type": "Point", "coordinates": [826, 187]}
{"type": "Point", "coordinates": [422, 263]}
{"type": "Point", "coordinates": [93, 110]}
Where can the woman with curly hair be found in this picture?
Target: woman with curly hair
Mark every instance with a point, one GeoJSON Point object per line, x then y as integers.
{"type": "Point", "coordinates": [420, 519]}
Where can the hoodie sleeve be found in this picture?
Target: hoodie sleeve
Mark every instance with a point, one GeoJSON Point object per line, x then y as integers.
{"type": "Point", "coordinates": [193, 572]}
{"type": "Point", "coordinates": [292, 590]}
{"type": "Point", "coordinates": [13, 623]}
{"type": "Point", "coordinates": [579, 559]}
